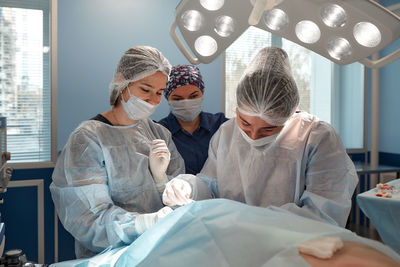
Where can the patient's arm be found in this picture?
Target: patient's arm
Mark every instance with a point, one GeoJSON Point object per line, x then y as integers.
{"type": "Point", "coordinates": [354, 255]}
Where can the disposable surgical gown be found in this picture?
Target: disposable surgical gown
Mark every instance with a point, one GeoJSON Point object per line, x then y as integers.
{"type": "Point", "coordinates": [305, 170]}
{"type": "Point", "coordinates": [102, 181]}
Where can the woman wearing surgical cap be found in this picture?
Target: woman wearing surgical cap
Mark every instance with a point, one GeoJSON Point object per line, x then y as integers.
{"type": "Point", "coordinates": [271, 155]}
{"type": "Point", "coordinates": [191, 127]}
{"type": "Point", "coordinates": [108, 180]}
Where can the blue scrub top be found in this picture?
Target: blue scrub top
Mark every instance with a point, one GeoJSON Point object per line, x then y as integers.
{"type": "Point", "coordinates": [194, 147]}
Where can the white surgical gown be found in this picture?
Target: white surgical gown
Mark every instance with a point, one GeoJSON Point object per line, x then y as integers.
{"type": "Point", "coordinates": [102, 181]}
{"type": "Point", "coordinates": [305, 170]}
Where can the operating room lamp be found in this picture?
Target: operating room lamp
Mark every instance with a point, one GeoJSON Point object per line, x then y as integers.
{"type": "Point", "coordinates": [344, 31]}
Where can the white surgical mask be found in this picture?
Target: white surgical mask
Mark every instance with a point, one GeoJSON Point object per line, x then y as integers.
{"type": "Point", "coordinates": [186, 110]}
{"type": "Point", "coordinates": [260, 141]}
{"type": "Point", "coordinates": [136, 108]}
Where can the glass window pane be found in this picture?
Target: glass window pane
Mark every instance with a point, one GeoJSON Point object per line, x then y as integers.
{"type": "Point", "coordinates": [237, 57]}
{"type": "Point", "coordinates": [25, 86]}
{"type": "Point", "coordinates": [300, 62]}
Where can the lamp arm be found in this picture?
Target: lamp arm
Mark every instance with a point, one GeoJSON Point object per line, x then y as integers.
{"type": "Point", "coordinates": [181, 46]}
{"type": "Point", "coordinates": [375, 64]}
{"type": "Point", "coordinates": [258, 10]}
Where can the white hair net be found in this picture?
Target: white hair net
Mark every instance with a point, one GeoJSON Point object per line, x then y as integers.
{"type": "Point", "coordinates": [267, 88]}
{"type": "Point", "coordinates": [137, 63]}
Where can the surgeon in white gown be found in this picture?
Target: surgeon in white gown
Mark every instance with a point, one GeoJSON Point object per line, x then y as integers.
{"type": "Point", "coordinates": [272, 155]}
{"type": "Point", "coordinates": [108, 180]}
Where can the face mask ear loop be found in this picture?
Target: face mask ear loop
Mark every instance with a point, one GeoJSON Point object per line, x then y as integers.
{"type": "Point", "coordinates": [129, 92]}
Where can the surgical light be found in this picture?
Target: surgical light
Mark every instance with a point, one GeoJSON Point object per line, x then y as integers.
{"type": "Point", "coordinates": [333, 15]}
{"type": "Point", "coordinates": [212, 5]}
{"type": "Point", "coordinates": [206, 45]}
{"type": "Point", "coordinates": [276, 19]}
{"type": "Point", "coordinates": [308, 32]}
{"type": "Point", "coordinates": [367, 34]}
{"type": "Point", "coordinates": [342, 31]}
{"type": "Point", "coordinates": [224, 26]}
{"type": "Point", "coordinates": [339, 48]}
{"type": "Point", "coordinates": [192, 20]}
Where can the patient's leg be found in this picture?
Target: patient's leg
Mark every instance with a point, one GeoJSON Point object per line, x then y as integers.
{"type": "Point", "coordinates": [354, 255]}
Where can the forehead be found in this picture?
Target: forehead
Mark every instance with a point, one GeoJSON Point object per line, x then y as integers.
{"type": "Point", "coordinates": [254, 120]}
{"type": "Point", "coordinates": [184, 90]}
{"type": "Point", "coordinates": [158, 78]}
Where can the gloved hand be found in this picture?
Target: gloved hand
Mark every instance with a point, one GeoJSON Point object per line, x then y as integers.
{"type": "Point", "coordinates": [158, 160]}
{"type": "Point", "coordinates": [147, 220]}
{"type": "Point", "coordinates": [177, 192]}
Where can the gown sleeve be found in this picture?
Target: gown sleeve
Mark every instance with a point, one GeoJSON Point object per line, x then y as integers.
{"type": "Point", "coordinates": [82, 198]}
{"type": "Point", "coordinates": [330, 179]}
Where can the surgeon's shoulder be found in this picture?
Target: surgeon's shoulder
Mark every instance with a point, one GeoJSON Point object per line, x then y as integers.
{"type": "Point", "coordinates": [225, 132]}
{"type": "Point", "coordinates": [310, 121]}
{"type": "Point", "coordinates": [156, 128]}
{"type": "Point", "coordinates": [319, 130]}
{"type": "Point", "coordinates": [87, 129]}
{"type": "Point", "coordinates": [322, 126]}
{"type": "Point", "coordinates": [303, 126]}
{"type": "Point", "coordinates": [228, 125]}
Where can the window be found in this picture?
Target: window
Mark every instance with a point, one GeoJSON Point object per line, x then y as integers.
{"type": "Point", "coordinates": [26, 90]}
{"type": "Point", "coordinates": [333, 93]}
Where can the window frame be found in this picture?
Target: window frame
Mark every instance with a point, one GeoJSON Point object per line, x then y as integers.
{"type": "Point", "coordinates": [52, 18]}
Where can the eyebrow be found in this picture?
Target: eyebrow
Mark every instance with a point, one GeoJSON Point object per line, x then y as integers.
{"type": "Point", "coordinates": [151, 86]}
{"type": "Point", "coordinates": [176, 96]}
{"type": "Point", "coordinates": [179, 96]}
{"type": "Point", "coordinates": [267, 127]}
{"type": "Point", "coordinates": [243, 119]}
{"type": "Point", "coordinates": [148, 85]}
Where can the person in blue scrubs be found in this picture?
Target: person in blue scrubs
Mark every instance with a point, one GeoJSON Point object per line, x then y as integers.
{"type": "Point", "coordinates": [191, 127]}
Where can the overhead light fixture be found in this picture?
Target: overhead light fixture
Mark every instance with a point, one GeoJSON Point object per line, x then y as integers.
{"type": "Point", "coordinates": [342, 31]}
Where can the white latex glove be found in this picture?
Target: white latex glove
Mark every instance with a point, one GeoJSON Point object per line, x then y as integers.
{"type": "Point", "coordinates": [145, 221]}
{"type": "Point", "coordinates": [177, 192]}
{"type": "Point", "coordinates": [322, 248]}
{"type": "Point", "coordinates": [158, 160]}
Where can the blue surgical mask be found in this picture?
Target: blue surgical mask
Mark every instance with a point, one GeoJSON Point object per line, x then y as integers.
{"type": "Point", "coordinates": [260, 141]}
{"type": "Point", "coordinates": [186, 110]}
{"type": "Point", "coordinates": [136, 108]}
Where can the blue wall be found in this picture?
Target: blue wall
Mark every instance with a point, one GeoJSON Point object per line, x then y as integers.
{"type": "Point", "coordinates": [389, 124]}
{"type": "Point", "coordinates": [92, 36]}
